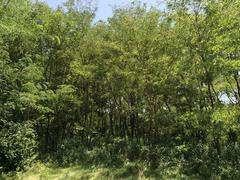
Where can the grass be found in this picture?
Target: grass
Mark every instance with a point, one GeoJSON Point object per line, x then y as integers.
{"type": "Point", "coordinates": [42, 171]}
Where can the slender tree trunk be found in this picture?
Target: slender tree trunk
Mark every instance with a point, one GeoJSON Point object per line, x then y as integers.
{"type": "Point", "coordinates": [238, 86]}
{"type": "Point", "coordinates": [47, 135]}
{"type": "Point", "coordinates": [111, 122]}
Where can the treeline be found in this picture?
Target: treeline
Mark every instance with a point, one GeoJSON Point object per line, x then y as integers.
{"type": "Point", "coordinates": [146, 77]}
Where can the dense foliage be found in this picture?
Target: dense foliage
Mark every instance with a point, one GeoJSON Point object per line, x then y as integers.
{"type": "Point", "coordinates": [147, 85]}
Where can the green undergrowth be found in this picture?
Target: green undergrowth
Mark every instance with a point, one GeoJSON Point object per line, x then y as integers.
{"type": "Point", "coordinates": [130, 170]}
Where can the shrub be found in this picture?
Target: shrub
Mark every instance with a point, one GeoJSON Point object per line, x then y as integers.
{"type": "Point", "coordinates": [69, 152]}
{"type": "Point", "coordinates": [17, 145]}
{"type": "Point", "coordinates": [134, 151]}
{"type": "Point", "coordinates": [153, 158]}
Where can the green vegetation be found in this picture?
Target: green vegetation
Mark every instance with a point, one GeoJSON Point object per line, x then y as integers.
{"type": "Point", "coordinates": [128, 171]}
{"type": "Point", "coordinates": [147, 94]}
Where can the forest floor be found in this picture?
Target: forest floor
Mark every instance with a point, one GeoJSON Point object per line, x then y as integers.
{"type": "Point", "coordinates": [42, 171]}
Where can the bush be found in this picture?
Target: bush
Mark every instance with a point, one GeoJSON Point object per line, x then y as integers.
{"type": "Point", "coordinates": [70, 152]}
{"type": "Point", "coordinates": [154, 159]}
{"type": "Point", "coordinates": [17, 145]}
{"type": "Point", "coordinates": [133, 151]}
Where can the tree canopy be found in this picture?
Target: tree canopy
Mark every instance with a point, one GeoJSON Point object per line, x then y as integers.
{"type": "Point", "coordinates": [145, 78]}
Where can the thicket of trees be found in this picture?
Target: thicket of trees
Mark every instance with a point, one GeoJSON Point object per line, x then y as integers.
{"type": "Point", "coordinates": [145, 84]}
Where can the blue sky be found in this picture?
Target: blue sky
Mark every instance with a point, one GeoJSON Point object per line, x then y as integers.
{"type": "Point", "coordinates": [105, 6]}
